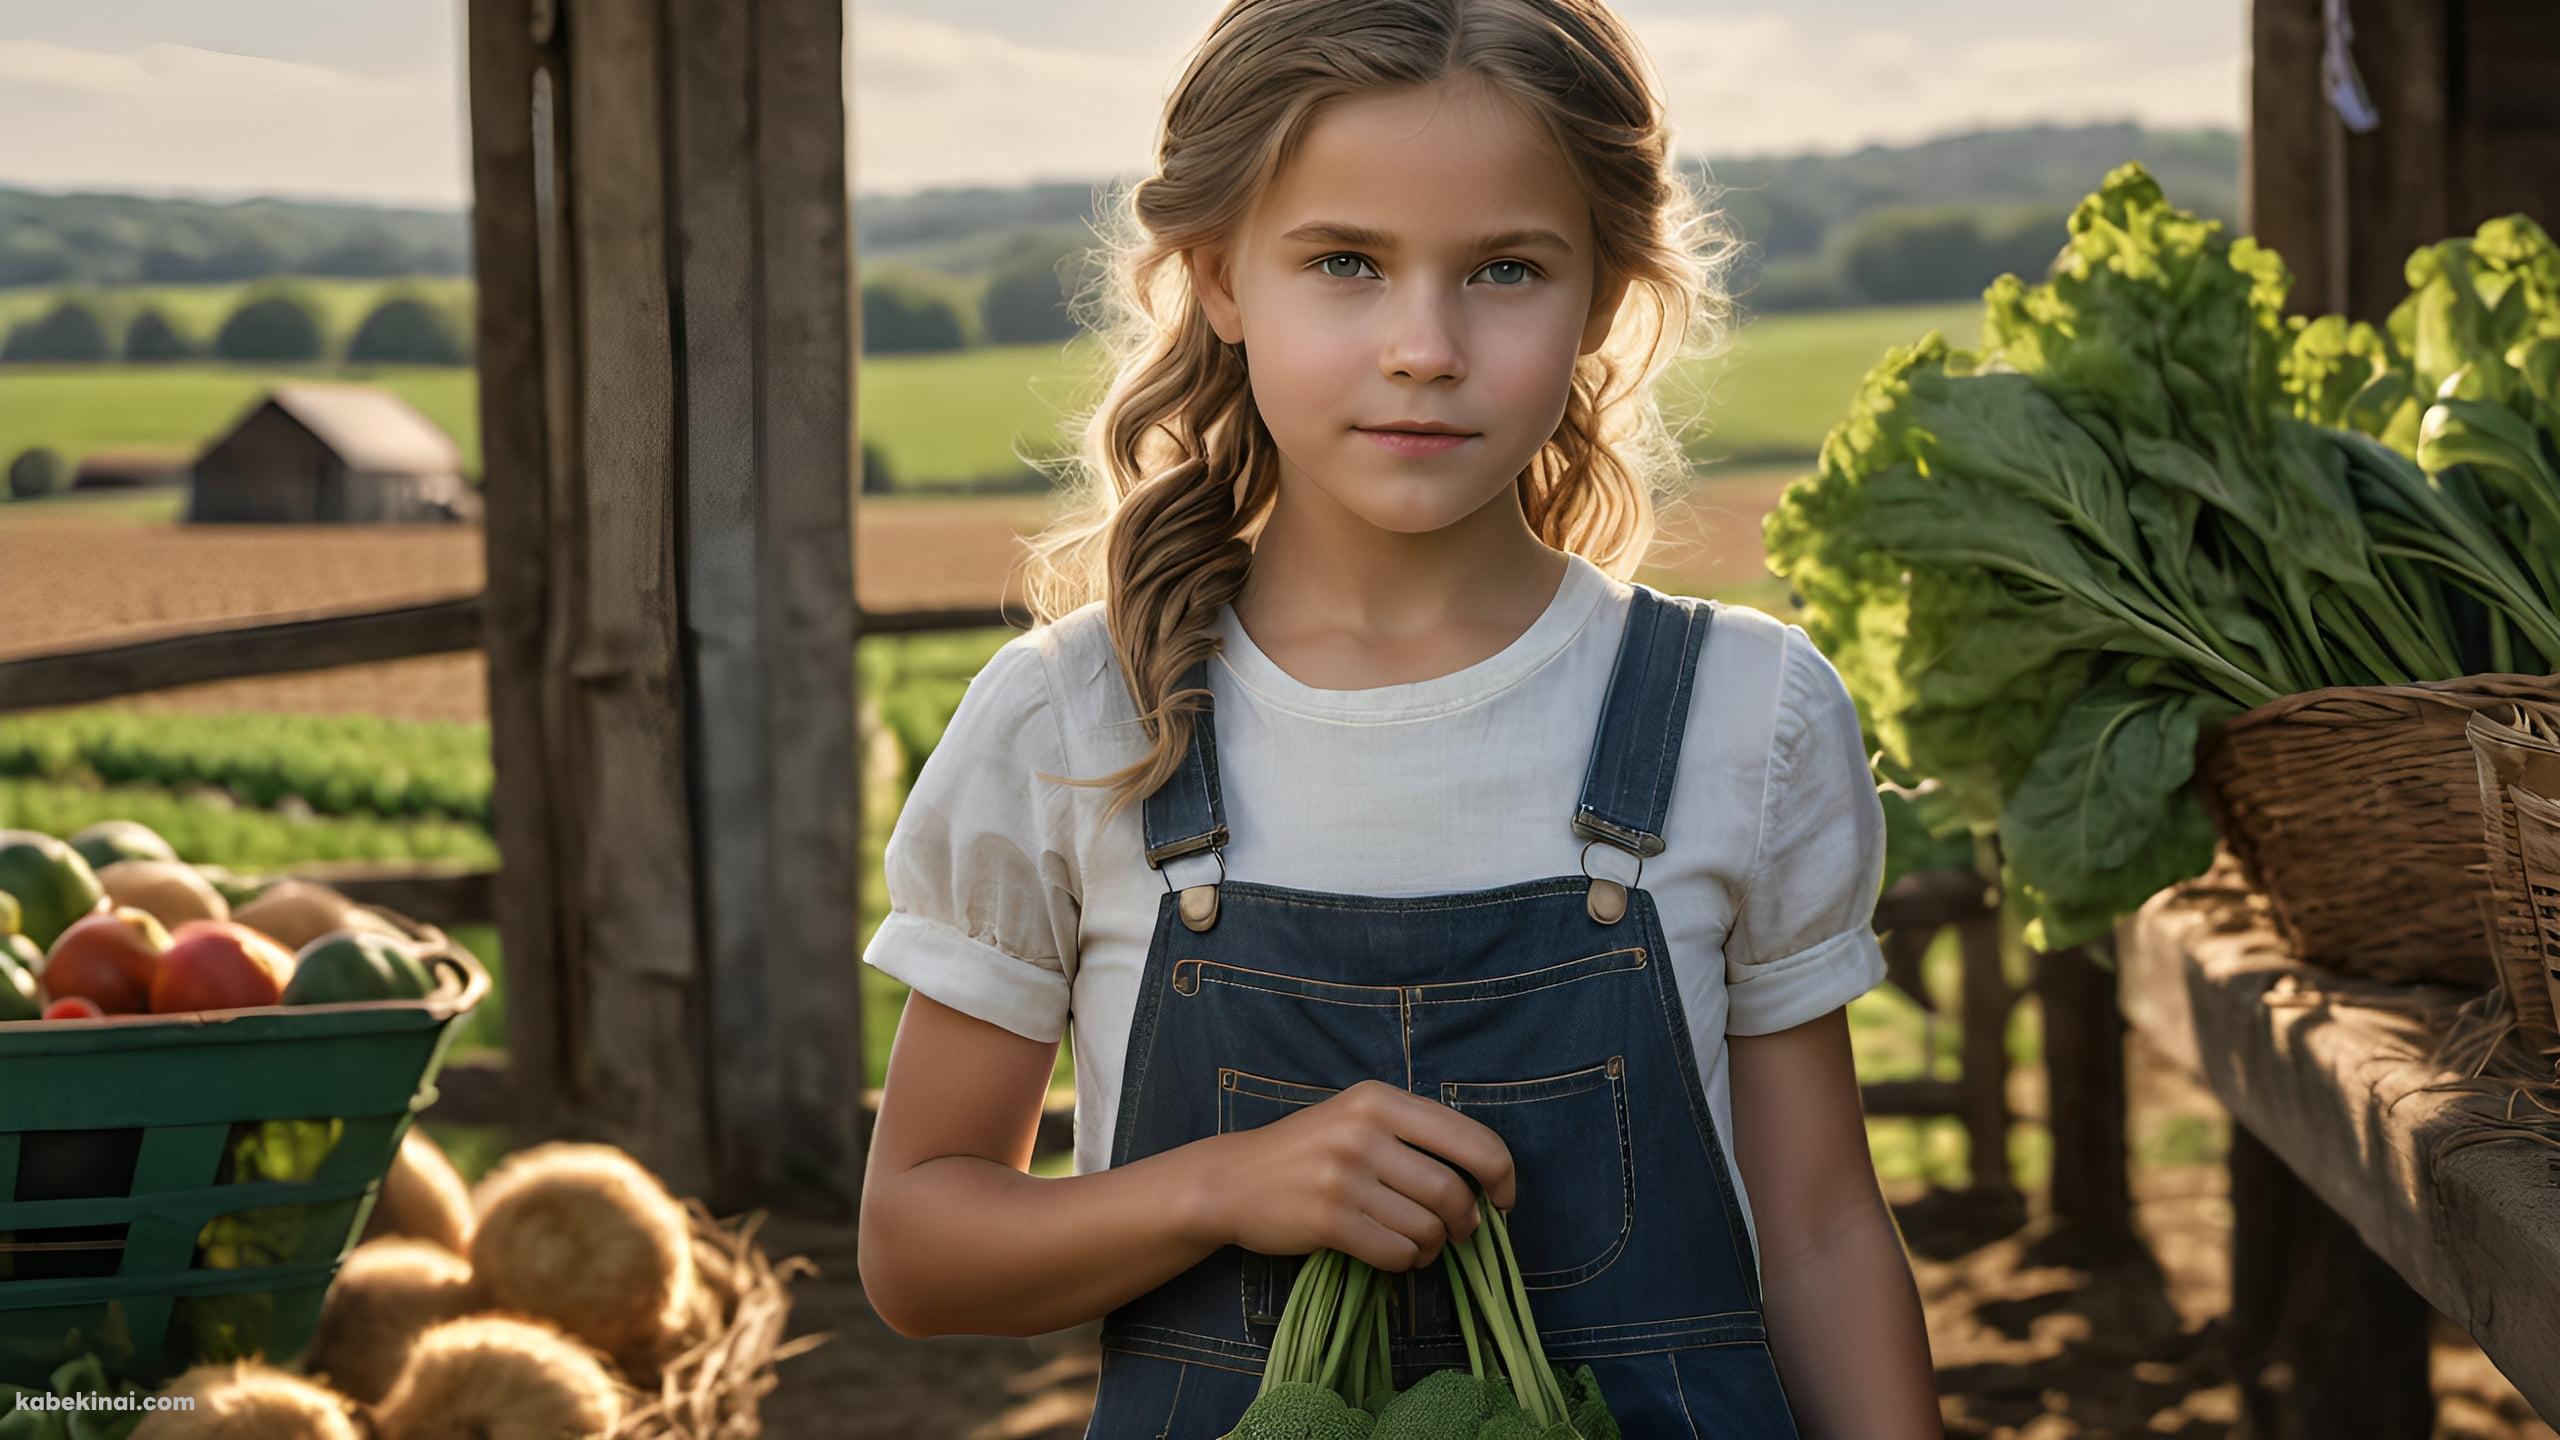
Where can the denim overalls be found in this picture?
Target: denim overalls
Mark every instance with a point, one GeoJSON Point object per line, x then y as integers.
{"type": "Point", "coordinates": [1544, 1009]}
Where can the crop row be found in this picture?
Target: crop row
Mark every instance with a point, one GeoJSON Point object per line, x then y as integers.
{"type": "Point", "coordinates": [338, 765]}
{"type": "Point", "coordinates": [207, 830]}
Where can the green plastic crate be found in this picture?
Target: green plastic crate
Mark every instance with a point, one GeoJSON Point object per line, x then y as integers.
{"type": "Point", "coordinates": [178, 1189]}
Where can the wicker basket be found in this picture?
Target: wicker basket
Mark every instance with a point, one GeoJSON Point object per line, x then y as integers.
{"type": "Point", "coordinates": [2356, 811]}
{"type": "Point", "coordinates": [2518, 755]}
{"type": "Point", "coordinates": [181, 1188]}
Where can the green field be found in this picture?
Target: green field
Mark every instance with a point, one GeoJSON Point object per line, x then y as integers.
{"type": "Point", "coordinates": [76, 409]}
{"type": "Point", "coordinates": [954, 418]}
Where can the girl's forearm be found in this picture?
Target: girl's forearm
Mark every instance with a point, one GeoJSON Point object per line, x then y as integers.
{"type": "Point", "coordinates": [1851, 1340]}
{"type": "Point", "coordinates": [965, 1246]}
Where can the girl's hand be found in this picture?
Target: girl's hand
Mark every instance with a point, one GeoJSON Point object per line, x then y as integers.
{"type": "Point", "coordinates": [1351, 1173]}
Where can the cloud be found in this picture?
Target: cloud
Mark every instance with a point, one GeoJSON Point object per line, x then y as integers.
{"type": "Point", "coordinates": [937, 103]}
{"type": "Point", "coordinates": [1768, 83]}
{"type": "Point", "coordinates": [181, 118]}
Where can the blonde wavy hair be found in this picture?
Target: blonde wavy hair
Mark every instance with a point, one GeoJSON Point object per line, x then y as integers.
{"type": "Point", "coordinates": [1175, 473]}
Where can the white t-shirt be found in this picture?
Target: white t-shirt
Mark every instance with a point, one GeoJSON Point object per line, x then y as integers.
{"type": "Point", "coordinates": [1012, 902]}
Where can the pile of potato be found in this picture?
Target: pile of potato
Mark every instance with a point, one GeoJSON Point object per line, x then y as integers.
{"type": "Point", "coordinates": [529, 1308]}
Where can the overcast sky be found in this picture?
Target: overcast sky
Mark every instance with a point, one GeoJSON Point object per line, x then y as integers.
{"type": "Point", "coordinates": [364, 100]}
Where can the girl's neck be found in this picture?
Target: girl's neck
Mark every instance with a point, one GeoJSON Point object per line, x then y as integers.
{"type": "Point", "coordinates": [1350, 606]}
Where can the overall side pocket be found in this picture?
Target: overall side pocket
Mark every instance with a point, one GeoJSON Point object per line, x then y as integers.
{"type": "Point", "coordinates": [1247, 1101]}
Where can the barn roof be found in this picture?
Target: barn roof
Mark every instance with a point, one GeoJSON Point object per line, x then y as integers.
{"type": "Point", "coordinates": [369, 428]}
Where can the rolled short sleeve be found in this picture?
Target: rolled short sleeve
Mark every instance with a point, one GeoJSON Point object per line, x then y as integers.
{"type": "Point", "coordinates": [1804, 941]}
{"type": "Point", "coordinates": [984, 889]}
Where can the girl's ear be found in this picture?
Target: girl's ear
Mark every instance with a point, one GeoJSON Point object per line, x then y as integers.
{"type": "Point", "coordinates": [1208, 267]}
{"type": "Point", "coordinates": [1604, 312]}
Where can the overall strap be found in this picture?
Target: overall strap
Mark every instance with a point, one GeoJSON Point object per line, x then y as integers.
{"type": "Point", "coordinates": [1186, 815]}
{"type": "Point", "coordinates": [1635, 750]}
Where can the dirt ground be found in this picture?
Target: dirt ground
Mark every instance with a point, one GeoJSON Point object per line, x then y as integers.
{"type": "Point", "coordinates": [2031, 1341]}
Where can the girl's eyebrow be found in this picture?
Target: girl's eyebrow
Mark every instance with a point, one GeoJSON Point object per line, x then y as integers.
{"type": "Point", "coordinates": [1336, 232]}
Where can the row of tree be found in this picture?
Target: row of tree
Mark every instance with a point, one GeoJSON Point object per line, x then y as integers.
{"type": "Point", "coordinates": [1898, 255]}
{"type": "Point", "coordinates": [273, 328]}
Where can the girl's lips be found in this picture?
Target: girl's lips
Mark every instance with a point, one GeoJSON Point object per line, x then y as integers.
{"type": "Point", "coordinates": [1406, 442]}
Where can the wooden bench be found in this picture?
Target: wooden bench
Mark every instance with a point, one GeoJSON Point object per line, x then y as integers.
{"type": "Point", "coordinates": [2343, 1230]}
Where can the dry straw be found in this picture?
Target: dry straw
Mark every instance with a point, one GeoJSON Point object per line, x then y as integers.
{"type": "Point", "coordinates": [712, 1390]}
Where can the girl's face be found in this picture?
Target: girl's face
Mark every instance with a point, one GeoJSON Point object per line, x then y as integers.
{"type": "Point", "coordinates": [1424, 257]}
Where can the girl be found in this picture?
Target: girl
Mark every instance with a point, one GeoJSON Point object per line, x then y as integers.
{"type": "Point", "coordinates": [1374, 836]}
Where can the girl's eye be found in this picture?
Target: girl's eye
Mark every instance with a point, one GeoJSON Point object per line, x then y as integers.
{"type": "Point", "coordinates": [1526, 271]}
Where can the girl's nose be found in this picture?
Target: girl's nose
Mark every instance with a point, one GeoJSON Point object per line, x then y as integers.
{"type": "Point", "coordinates": [1421, 344]}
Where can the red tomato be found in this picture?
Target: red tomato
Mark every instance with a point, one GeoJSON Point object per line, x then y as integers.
{"type": "Point", "coordinates": [74, 1007]}
{"type": "Point", "coordinates": [110, 956]}
{"type": "Point", "coordinates": [220, 965]}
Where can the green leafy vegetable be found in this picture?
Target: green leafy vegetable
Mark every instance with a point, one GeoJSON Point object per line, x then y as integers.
{"type": "Point", "coordinates": [2152, 502]}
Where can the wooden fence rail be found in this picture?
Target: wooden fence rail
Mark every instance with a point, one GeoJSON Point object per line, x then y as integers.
{"type": "Point", "coordinates": [324, 642]}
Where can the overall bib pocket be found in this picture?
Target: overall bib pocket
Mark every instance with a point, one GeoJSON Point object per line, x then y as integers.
{"type": "Point", "coordinates": [1573, 1154]}
{"type": "Point", "coordinates": [1247, 1101]}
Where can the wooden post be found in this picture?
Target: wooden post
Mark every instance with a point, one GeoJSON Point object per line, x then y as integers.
{"type": "Point", "coordinates": [2084, 1070]}
{"type": "Point", "coordinates": [516, 128]}
{"type": "Point", "coordinates": [672, 697]}
{"type": "Point", "coordinates": [2326, 1339]}
{"type": "Point", "coordinates": [1987, 1003]}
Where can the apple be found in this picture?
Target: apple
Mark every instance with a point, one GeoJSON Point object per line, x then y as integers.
{"type": "Point", "coordinates": [220, 965]}
{"type": "Point", "coordinates": [111, 957]}
{"type": "Point", "coordinates": [74, 1007]}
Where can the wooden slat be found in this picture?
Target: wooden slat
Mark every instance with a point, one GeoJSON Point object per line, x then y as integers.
{"type": "Point", "coordinates": [1933, 899]}
{"type": "Point", "coordinates": [524, 349]}
{"type": "Point", "coordinates": [2085, 1098]}
{"type": "Point", "coordinates": [482, 1089]}
{"type": "Point", "coordinates": [2401, 179]}
{"type": "Point", "coordinates": [713, 209]}
{"type": "Point", "coordinates": [925, 621]}
{"type": "Point", "coordinates": [804, 1149]}
{"type": "Point", "coordinates": [766, 539]}
{"type": "Point", "coordinates": [1988, 999]}
{"type": "Point", "coordinates": [631, 935]}
{"type": "Point", "coordinates": [282, 647]}
{"type": "Point", "coordinates": [1913, 1097]}
{"type": "Point", "coordinates": [2324, 1338]}
{"type": "Point", "coordinates": [2326, 1070]}
{"type": "Point", "coordinates": [2285, 183]}
{"type": "Point", "coordinates": [440, 895]}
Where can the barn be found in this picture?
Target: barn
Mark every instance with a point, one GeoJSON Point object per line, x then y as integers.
{"type": "Point", "coordinates": [332, 454]}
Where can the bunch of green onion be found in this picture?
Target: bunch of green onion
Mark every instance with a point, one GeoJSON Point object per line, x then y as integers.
{"type": "Point", "coordinates": [1331, 1374]}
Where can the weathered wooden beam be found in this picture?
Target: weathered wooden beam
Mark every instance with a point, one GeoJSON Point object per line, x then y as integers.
{"type": "Point", "coordinates": [2085, 1099]}
{"type": "Point", "coordinates": [1988, 1000]}
{"type": "Point", "coordinates": [482, 1089]}
{"type": "Point", "coordinates": [2287, 194]}
{"type": "Point", "coordinates": [1913, 1097]}
{"type": "Point", "coordinates": [922, 621]}
{"type": "Point", "coordinates": [2328, 1071]}
{"type": "Point", "coordinates": [84, 677]}
{"type": "Point", "coordinates": [1932, 899]}
{"type": "Point", "coordinates": [2325, 1339]}
{"type": "Point", "coordinates": [631, 916]}
{"type": "Point", "coordinates": [526, 355]}
{"type": "Point", "coordinates": [764, 524]}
